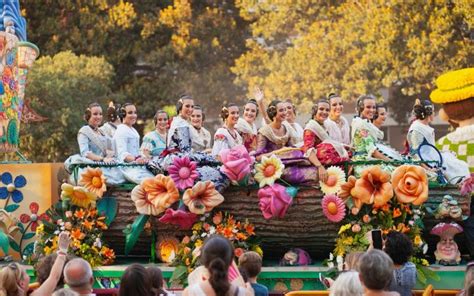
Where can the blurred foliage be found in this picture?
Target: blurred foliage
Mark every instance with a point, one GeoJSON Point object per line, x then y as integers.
{"type": "Point", "coordinates": [60, 88]}
{"type": "Point", "coordinates": [305, 49]}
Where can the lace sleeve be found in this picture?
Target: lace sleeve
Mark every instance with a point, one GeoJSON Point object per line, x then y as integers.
{"type": "Point", "coordinates": [83, 142]}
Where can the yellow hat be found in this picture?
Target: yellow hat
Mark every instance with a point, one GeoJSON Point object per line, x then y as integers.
{"type": "Point", "coordinates": [454, 86]}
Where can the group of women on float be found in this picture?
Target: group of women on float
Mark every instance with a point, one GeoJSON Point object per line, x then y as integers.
{"type": "Point", "coordinates": [326, 139]}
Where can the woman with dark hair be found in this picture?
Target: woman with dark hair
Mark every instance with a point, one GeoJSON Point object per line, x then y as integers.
{"type": "Point", "coordinates": [217, 256]}
{"type": "Point", "coordinates": [291, 120]}
{"type": "Point", "coordinates": [421, 132]}
{"type": "Point", "coordinates": [227, 136]}
{"type": "Point", "coordinates": [200, 135]}
{"type": "Point", "coordinates": [180, 123]}
{"type": "Point", "coordinates": [317, 142]}
{"type": "Point", "coordinates": [380, 115]}
{"type": "Point", "coordinates": [399, 248]}
{"type": "Point", "coordinates": [365, 135]}
{"type": "Point", "coordinates": [136, 281]}
{"type": "Point", "coordinates": [154, 142]}
{"type": "Point", "coordinates": [157, 281]}
{"type": "Point", "coordinates": [113, 120]}
{"type": "Point", "coordinates": [337, 126]}
{"type": "Point", "coordinates": [246, 125]}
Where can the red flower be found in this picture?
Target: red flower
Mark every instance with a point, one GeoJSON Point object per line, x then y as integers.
{"type": "Point", "coordinates": [34, 217]}
{"type": "Point", "coordinates": [182, 218]}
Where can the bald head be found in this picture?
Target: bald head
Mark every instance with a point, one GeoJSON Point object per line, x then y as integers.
{"type": "Point", "coordinates": [78, 275]}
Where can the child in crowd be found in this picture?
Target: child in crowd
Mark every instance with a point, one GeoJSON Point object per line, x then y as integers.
{"type": "Point", "coordinates": [251, 263]}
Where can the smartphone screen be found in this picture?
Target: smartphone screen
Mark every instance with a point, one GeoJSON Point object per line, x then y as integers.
{"type": "Point", "coordinates": [377, 239]}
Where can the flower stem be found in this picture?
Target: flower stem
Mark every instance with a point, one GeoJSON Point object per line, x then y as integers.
{"type": "Point", "coordinates": [21, 238]}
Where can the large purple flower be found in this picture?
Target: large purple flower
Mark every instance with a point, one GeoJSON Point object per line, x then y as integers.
{"type": "Point", "coordinates": [183, 172]}
{"type": "Point", "coordinates": [180, 217]}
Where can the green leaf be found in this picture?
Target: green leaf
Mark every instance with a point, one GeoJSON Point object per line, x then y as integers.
{"type": "Point", "coordinates": [12, 207]}
{"type": "Point", "coordinates": [178, 274]}
{"type": "Point", "coordinates": [420, 276]}
{"type": "Point", "coordinates": [4, 245]}
{"type": "Point", "coordinates": [135, 230]}
{"type": "Point", "coordinates": [28, 235]}
{"type": "Point", "coordinates": [14, 245]}
{"type": "Point", "coordinates": [107, 206]}
{"type": "Point", "coordinates": [28, 250]}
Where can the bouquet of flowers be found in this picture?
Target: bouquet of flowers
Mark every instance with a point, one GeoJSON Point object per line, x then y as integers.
{"type": "Point", "coordinates": [240, 234]}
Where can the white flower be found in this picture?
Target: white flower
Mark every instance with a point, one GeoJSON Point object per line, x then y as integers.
{"type": "Point", "coordinates": [340, 263]}
{"type": "Point", "coordinates": [203, 234]}
{"type": "Point", "coordinates": [411, 222]}
{"type": "Point", "coordinates": [56, 232]}
{"type": "Point", "coordinates": [212, 230]}
{"type": "Point", "coordinates": [98, 243]}
{"type": "Point", "coordinates": [331, 257]}
{"type": "Point", "coordinates": [425, 248]}
{"type": "Point", "coordinates": [330, 264]}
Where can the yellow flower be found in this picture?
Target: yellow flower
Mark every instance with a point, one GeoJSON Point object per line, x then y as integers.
{"type": "Point", "coordinates": [425, 262]}
{"type": "Point", "coordinates": [336, 177]}
{"type": "Point", "coordinates": [268, 170]}
{"type": "Point", "coordinates": [47, 250]}
{"type": "Point", "coordinates": [93, 180]}
{"type": "Point", "coordinates": [78, 196]}
{"type": "Point", "coordinates": [40, 229]}
{"type": "Point", "coordinates": [344, 228]}
{"type": "Point", "coordinates": [417, 240]}
{"type": "Point", "coordinates": [198, 243]}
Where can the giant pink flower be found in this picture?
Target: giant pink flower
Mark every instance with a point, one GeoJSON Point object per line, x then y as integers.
{"type": "Point", "coordinates": [274, 201]}
{"type": "Point", "coordinates": [183, 172]}
{"type": "Point", "coordinates": [333, 208]}
{"type": "Point", "coordinates": [183, 218]}
{"type": "Point", "coordinates": [467, 185]}
{"type": "Point", "coordinates": [237, 163]}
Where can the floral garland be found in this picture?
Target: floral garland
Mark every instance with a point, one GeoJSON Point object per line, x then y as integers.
{"type": "Point", "coordinates": [378, 200]}
{"type": "Point", "coordinates": [84, 217]}
{"type": "Point", "coordinates": [240, 234]}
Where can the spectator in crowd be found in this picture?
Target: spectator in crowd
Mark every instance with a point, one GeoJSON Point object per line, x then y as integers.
{"type": "Point", "coordinates": [136, 281]}
{"type": "Point", "coordinates": [400, 248]}
{"type": "Point", "coordinates": [13, 280]}
{"type": "Point", "coordinates": [468, 281]}
{"type": "Point", "coordinates": [78, 276]}
{"type": "Point", "coordinates": [157, 282]}
{"type": "Point", "coordinates": [217, 256]}
{"type": "Point", "coordinates": [44, 267]}
{"type": "Point", "coordinates": [352, 260]}
{"type": "Point", "coordinates": [347, 284]}
{"type": "Point", "coordinates": [375, 273]}
{"type": "Point", "coordinates": [251, 264]}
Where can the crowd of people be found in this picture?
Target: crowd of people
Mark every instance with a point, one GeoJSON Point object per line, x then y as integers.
{"type": "Point", "coordinates": [375, 272]}
{"type": "Point", "coordinates": [326, 139]}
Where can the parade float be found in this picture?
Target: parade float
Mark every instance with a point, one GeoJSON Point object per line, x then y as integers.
{"type": "Point", "coordinates": [165, 219]}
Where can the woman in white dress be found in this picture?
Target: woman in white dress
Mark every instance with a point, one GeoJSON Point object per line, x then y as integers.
{"type": "Point", "coordinates": [113, 120]}
{"type": "Point", "coordinates": [246, 125]}
{"type": "Point", "coordinates": [200, 135]}
{"type": "Point", "coordinates": [380, 115]}
{"type": "Point", "coordinates": [421, 132]}
{"type": "Point", "coordinates": [337, 126]}
{"type": "Point", "coordinates": [154, 142]}
{"type": "Point", "coordinates": [291, 119]}
{"type": "Point", "coordinates": [227, 136]}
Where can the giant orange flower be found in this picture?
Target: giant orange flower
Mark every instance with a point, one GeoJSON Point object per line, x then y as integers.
{"type": "Point", "coordinates": [93, 180]}
{"type": "Point", "coordinates": [203, 197]}
{"type": "Point", "coordinates": [410, 184]}
{"type": "Point", "coordinates": [372, 187]}
{"type": "Point", "coordinates": [154, 195]}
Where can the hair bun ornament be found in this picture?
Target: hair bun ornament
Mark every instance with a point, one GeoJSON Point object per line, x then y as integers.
{"type": "Point", "coordinates": [111, 104]}
{"type": "Point", "coordinates": [417, 102]}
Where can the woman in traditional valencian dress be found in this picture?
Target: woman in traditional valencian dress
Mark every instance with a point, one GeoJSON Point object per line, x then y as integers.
{"type": "Point", "coordinates": [277, 138]}
{"type": "Point", "coordinates": [154, 142]}
{"type": "Point", "coordinates": [94, 146]}
{"type": "Point", "coordinates": [365, 135]}
{"type": "Point", "coordinates": [317, 142]}
{"type": "Point", "coordinates": [246, 125]}
{"type": "Point", "coordinates": [227, 137]}
{"type": "Point", "coordinates": [113, 120]}
{"type": "Point", "coordinates": [127, 145]}
{"type": "Point", "coordinates": [291, 120]}
{"type": "Point", "coordinates": [337, 126]}
{"type": "Point", "coordinates": [200, 135]}
{"type": "Point", "coordinates": [380, 115]}
{"type": "Point", "coordinates": [180, 142]}
{"type": "Point", "coordinates": [421, 132]}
